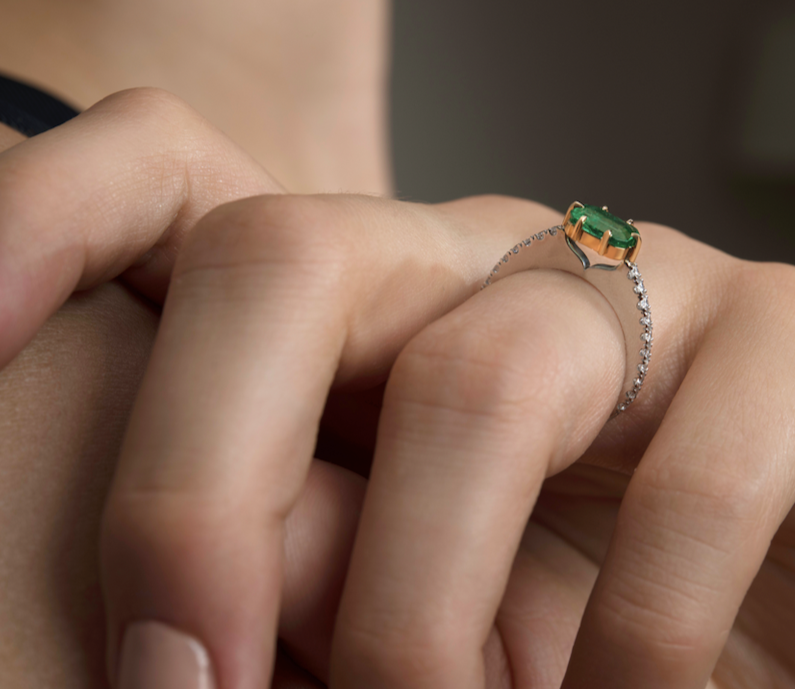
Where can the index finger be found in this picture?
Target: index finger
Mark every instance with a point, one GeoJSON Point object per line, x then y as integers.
{"type": "Point", "coordinates": [115, 189]}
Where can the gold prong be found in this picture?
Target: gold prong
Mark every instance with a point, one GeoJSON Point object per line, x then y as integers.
{"type": "Point", "coordinates": [574, 205]}
{"type": "Point", "coordinates": [576, 231]}
{"type": "Point", "coordinates": [606, 237]}
{"type": "Point", "coordinates": [606, 209]}
{"type": "Point", "coordinates": [632, 256]}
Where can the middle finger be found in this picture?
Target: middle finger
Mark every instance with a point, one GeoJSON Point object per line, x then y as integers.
{"type": "Point", "coordinates": [272, 300]}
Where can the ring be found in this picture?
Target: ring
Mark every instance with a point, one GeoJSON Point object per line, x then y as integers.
{"type": "Point", "coordinates": [602, 234]}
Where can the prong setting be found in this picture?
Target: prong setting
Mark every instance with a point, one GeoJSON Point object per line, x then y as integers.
{"type": "Point", "coordinates": [607, 235]}
{"type": "Point", "coordinates": [632, 256]}
{"type": "Point", "coordinates": [576, 230]}
{"type": "Point", "coordinates": [574, 205]}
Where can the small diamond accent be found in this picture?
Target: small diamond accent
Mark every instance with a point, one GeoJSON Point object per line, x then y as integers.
{"type": "Point", "coordinates": [643, 304]}
{"type": "Point", "coordinates": [633, 273]}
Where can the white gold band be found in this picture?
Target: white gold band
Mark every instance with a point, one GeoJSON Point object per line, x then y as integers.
{"type": "Point", "coordinates": [555, 255]}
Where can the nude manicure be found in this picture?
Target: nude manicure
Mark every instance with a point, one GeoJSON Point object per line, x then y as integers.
{"type": "Point", "coordinates": [156, 656]}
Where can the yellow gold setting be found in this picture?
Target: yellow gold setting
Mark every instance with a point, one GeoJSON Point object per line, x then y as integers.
{"type": "Point", "coordinates": [600, 245]}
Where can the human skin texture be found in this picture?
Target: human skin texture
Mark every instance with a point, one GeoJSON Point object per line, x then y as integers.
{"type": "Point", "coordinates": [561, 546]}
{"type": "Point", "coordinates": [64, 404]}
{"type": "Point", "coordinates": [300, 84]}
{"type": "Point", "coordinates": [304, 92]}
{"type": "Point", "coordinates": [96, 347]}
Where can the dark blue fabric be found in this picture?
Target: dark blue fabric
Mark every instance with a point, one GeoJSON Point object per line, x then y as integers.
{"type": "Point", "coordinates": [30, 110]}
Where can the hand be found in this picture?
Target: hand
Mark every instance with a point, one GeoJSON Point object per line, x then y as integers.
{"type": "Point", "coordinates": [465, 230]}
{"type": "Point", "coordinates": [118, 168]}
{"type": "Point", "coordinates": [235, 388]}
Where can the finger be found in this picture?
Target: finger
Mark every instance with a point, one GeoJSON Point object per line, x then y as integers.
{"type": "Point", "coordinates": [700, 511]}
{"type": "Point", "coordinates": [318, 539]}
{"type": "Point", "coordinates": [115, 189]}
{"type": "Point", "coordinates": [272, 299]}
{"type": "Point", "coordinates": [480, 407]}
{"type": "Point", "coordinates": [319, 534]}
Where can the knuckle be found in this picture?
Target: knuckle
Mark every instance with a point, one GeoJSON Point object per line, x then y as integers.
{"type": "Point", "coordinates": [661, 598]}
{"type": "Point", "coordinates": [730, 499]}
{"type": "Point", "coordinates": [674, 627]}
{"type": "Point", "coordinates": [301, 235]}
{"type": "Point", "coordinates": [159, 125]}
{"type": "Point", "coordinates": [461, 366]}
{"type": "Point", "coordinates": [148, 105]}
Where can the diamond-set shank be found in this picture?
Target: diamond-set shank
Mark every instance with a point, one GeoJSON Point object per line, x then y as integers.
{"type": "Point", "coordinates": [647, 336]}
{"type": "Point", "coordinates": [642, 313]}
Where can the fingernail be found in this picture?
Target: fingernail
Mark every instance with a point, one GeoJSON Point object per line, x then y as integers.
{"type": "Point", "coordinates": [156, 656]}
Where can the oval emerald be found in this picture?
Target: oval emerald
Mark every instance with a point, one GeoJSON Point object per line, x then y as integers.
{"type": "Point", "coordinates": [598, 220]}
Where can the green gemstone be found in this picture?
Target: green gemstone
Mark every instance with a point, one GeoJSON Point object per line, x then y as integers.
{"type": "Point", "coordinates": [598, 220]}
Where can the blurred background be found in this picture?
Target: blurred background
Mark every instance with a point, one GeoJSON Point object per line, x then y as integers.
{"type": "Point", "coordinates": [680, 112]}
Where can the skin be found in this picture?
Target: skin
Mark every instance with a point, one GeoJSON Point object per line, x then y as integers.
{"type": "Point", "coordinates": [307, 77]}
{"type": "Point", "coordinates": [522, 596]}
{"type": "Point", "coordinates": [95, 347]}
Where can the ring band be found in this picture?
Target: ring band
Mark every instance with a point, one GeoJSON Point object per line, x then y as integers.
{"type": "Point", "coordinates": [602, 233]}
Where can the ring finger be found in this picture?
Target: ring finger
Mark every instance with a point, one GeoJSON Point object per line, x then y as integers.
{"type": "Point", "coordinates": [480, 407]}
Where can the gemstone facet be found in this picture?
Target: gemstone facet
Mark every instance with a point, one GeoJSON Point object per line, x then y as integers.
{"type": "Point", "coordinates": [598, 220]}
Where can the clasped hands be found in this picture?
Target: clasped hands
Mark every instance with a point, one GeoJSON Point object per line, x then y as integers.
{"type": "Point", "coordinates": [507, 537]}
